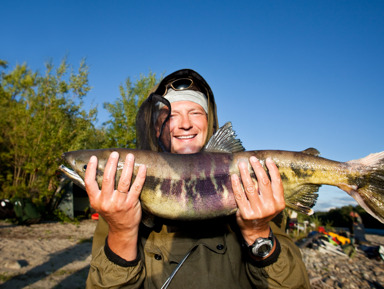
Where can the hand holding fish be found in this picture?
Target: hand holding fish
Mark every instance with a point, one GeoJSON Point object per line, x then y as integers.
{"type": "Point", "coordinates": [259, 202]}
{"type": "Point", "coordinates": [120, 208]}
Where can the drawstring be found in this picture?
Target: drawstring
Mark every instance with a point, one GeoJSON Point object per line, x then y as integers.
{"type": "Point", "coordinates": [168, 281]}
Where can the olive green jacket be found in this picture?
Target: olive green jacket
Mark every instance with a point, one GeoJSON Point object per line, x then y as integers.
{"type": "Point", "coordinates": [218, 261]}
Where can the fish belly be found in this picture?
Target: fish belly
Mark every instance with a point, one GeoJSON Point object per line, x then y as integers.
{"type": "Point", "coordinates": [189, 187]}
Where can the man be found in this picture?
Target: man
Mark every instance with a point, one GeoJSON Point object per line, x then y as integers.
{"type": "Point", "coordinates": [240, 251]}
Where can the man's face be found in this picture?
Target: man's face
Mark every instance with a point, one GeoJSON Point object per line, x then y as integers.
{"type": "Point", "coordinates": [187, 128]}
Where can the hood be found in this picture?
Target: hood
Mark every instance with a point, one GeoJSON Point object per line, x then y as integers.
{"type": "Point", "coordinates": [145, 124]}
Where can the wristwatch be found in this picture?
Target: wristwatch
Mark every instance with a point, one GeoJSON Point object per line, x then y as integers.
{"type": "Point", "coordinates": [262, 247]}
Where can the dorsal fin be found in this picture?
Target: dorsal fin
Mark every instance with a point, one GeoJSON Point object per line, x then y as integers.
{"type": "Point", "coordinates": [224, 141]}
{"type": "Point", "coordinates": [311, 151]}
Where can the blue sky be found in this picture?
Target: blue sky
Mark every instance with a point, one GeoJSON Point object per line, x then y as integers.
{"type": "Point", "coordinates": [288, 74]}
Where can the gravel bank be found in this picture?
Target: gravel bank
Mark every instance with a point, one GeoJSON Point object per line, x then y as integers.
{"type": "Point", "coordinates": [55, 255]}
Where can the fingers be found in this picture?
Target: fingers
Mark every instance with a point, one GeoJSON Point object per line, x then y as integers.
{"type": "Point", "coordinates": [246, 191]}
{"type": "Point", "coordinates": [91, 185]}
{"type": "Point", "coordinates": [108, 183]}
{"type": "Point", "coordinates": [138, 184]}
{"type": "Point", "coordinates": [269, 187]}
{"type": "Point", "coordinates": [237, 189]}
{"type": "Point", "coordinates": [276, 184]}
{"type": "Point", "coordinates": [260, 199]}
{"type": "Point", "coordinates": [126, 178]}
{"type": "Point", "coordinates": [126, 174]}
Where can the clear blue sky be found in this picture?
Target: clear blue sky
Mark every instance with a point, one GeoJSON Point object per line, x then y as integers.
{"type": "Point", "coordinates": [288, 74]}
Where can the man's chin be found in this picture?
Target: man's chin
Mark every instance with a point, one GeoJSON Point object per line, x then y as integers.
{"type": "Point", "coordinates": [191, 149]}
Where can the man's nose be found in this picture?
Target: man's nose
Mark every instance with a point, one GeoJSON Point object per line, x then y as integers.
{"type": "Point", "coordinates": [185, 122]}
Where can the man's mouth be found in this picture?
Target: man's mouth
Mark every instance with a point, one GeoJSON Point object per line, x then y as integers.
{"type": "Point", "coordinates": [185, 136]}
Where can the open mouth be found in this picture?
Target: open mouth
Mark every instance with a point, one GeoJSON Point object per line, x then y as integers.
{"type": "Point", "coordinates": [186, 136]}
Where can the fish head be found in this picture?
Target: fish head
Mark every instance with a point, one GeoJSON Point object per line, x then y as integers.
{"type": "Point", "coordinates": [78, 161]}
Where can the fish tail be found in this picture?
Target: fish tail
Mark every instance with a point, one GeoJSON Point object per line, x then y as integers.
{"type": "Point", "coordinates": [367, 188]}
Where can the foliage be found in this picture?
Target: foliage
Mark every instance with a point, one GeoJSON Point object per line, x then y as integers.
{"type": "Point", "coordinates": [120, 129]}
{"type": "Point", "coordinates": [341, 217]}
{"type": "Point", "coordinates": [42, 117]}
{"type": "Point", "coordinates": [316, 221]}
{"type": "Point", "coordinates": [63, 218]}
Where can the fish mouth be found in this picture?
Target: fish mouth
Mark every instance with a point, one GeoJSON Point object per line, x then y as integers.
{"type": "Point", "coordinates": [72, 175]}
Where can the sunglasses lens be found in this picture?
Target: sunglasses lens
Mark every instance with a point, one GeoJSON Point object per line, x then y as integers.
{"type": "Point", "coordinates": [182, 84]}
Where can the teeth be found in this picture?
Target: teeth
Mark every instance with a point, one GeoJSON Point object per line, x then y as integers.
{"type": "Point", "coordinates": [186, 137]}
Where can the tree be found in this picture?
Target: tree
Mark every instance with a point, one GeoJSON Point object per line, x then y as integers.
{"type": "Point", "coordinates": [120, 129]}
{"type": "Point", "coordinates": [42, 117]}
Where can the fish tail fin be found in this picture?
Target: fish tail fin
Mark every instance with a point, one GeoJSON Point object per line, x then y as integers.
{"type": "Point", "coordinates": [368, 187]}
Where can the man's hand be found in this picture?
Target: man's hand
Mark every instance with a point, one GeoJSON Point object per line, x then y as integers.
{"type": "Point", "coordinates": [120, 208]}
{"type": "Point", "coordinates": [259, 202]}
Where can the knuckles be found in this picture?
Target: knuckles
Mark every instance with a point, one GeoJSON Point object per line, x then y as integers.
{"type": "Point", "coordinates": [251, 189]}
{"type": "Point", "coordinates": [125, 183]}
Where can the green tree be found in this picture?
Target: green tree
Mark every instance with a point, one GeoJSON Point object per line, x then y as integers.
{"type": "Point", "coordinates": [120, 129]}
{"type": "Point", "coordinates": [42, 117]}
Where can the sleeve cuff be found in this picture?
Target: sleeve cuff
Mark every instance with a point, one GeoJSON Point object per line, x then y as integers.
{"type": "Point", "coordinates": [116, 259]}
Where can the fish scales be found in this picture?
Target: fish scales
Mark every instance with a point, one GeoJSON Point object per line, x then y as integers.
{"type": "Point", "coordinates": [198, 186]}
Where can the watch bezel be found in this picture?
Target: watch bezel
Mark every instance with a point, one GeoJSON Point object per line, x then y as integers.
{"type": "Point", "coordinates": [260, 242]}
{"type": "Point", "coordinates": [255, 247]}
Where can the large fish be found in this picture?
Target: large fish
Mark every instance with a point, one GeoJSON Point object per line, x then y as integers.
{"type": "Point", "coordinates": [198, 186]}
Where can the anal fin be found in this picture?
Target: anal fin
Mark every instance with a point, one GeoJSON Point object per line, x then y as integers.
{"type": "Point", "coordinates": [303, 198]}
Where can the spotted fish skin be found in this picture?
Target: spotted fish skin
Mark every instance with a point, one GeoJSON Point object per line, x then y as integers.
{"type": "Point", "coordinates": [198, 186]}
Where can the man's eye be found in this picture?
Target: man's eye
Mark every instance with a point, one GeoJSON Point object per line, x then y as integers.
{"type": "Point", "coordinates": [197, 113]}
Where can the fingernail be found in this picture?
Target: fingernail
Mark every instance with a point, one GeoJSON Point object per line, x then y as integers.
{"type": "Point", "coordinates": [269, 160]}
{"type": "Point", "coordinates": [253, 159]}
{"type": "Point", "coordinates": [93, 159]}
{"type": "Point", "coordinates": [234, 178]}
{"type": "Point", "coordinates": [130, 157]}
{"type": "Point", "coordinates": [114, 155]}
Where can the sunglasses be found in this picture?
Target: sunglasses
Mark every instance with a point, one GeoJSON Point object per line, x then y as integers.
{"type": "Point", "coordinates": [181, 84]}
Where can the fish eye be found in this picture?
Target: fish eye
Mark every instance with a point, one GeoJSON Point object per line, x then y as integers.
{"type": "Point", "coordinates": [84, 168]}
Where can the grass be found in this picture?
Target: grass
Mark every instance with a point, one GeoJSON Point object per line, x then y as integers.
{"type": "Point", "coordinates": [5, 277]}
{"type": "Point", "coordinates": [85, 240]}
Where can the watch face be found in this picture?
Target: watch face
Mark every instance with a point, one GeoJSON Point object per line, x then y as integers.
{"type": "Point", "coordinates": [263, 248]}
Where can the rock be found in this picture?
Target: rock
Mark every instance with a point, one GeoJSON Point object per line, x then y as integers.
{"type": "Point", "coordinates": [15, 264]}
{"type": "Point", "coordinates": [329, 270]}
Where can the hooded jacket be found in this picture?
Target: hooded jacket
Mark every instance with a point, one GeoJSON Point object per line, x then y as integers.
{"type": "Point", "coordinates": [213, 251]}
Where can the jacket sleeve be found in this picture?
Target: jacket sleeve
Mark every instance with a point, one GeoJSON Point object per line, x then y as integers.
{"type": "Point", "coordinates": [107, 270]}
{"type": "Point", "coordinates": [288, 269]}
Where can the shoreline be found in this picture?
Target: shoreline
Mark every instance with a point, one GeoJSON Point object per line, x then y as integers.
{"type": "Point", "coordinates": [57, 255]}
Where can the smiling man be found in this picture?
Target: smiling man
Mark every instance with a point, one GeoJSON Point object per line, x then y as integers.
{"type": "Point", "coordinates": [187, 130]}
{"type": "Point", "coordinates": [246, 250]}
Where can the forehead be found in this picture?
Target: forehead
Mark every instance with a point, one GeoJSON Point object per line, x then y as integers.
{"type": "Point", "coordinates": [185, 105]}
